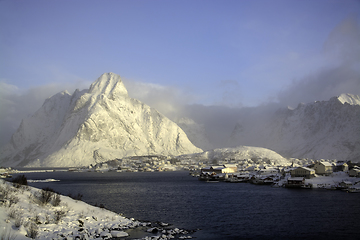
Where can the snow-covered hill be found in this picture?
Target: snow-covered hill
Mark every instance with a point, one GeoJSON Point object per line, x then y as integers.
{"type": "Point", "coordinates": [252, 155]}
{"type": "Point", "coordinates": [323, 129]}
{"type": "Point", "coordinates": [91, 126]}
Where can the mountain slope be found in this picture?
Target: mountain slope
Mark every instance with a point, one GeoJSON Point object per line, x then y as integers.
{"type": "Point", "coordinates": [324, 129]}
{"type": "Point", "coordinates": [94, 125]}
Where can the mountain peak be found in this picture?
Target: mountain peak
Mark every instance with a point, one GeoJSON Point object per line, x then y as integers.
{"type": "Point", "coordinates": [108, 84]}
{"type": "Point", "coordinates": [91, 126]}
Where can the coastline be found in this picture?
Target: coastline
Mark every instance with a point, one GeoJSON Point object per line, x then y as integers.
{"type": "Point", "coordinates": [23, 215]}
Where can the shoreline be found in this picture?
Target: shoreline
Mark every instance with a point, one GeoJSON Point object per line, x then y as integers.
{"type": "Point", "coordinates": [24, 215]}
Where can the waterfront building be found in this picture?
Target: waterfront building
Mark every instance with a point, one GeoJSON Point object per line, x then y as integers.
{"type": "Point", "coordinates": [302, 172]}
{"type": "Point", "coordinates": [323, 168]}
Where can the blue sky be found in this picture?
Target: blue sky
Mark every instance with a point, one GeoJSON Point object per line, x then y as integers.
{"type": "Point", "coordinates": [208, 48]}
{"type": "Point", "coordinates": [223, 53]}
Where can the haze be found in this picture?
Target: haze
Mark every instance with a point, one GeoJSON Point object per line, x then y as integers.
{"type": "Point", "coordinates": [207, 60]}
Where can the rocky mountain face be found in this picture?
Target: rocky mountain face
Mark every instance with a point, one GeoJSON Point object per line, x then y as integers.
{"type": "Point", "coordinates": [319, 130]}
{"type": "Point", "coordinates": [94, 125]}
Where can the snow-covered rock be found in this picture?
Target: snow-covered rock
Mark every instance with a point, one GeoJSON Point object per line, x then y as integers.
{"type": "Point", "coordinates": [94, 125]}
{"type": "Point", "coordinates": [22, 213]}
{"type": "Point", "coordinates": [349, 98]}
{"type": "Point", "coordinates": [319, 130]}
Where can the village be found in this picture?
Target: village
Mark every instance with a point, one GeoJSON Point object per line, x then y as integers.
{"type": "Point", "coordinates": [321, 174]}
{"type": "Point", "coordinates": [302, 173]}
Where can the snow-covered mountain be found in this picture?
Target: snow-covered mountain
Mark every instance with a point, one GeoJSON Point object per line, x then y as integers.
{"type": "Point", "coordinates": [91, 126]}
{"type": "Point", "coordinates": [323, 129]}
{"type": "Point", "coordinates": [196, 133]}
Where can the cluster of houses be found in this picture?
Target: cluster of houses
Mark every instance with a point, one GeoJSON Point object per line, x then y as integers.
{"type": "Point", "coordinates": [292, 176]}
{"type": "Point", "coordinates": [151, 163]}
{"type": "Point", "coordinates": [325, 168]}
{"type": "Point", "coordinates": [217, 172]}
{"type": "Point", "coordinates": [298, 175]}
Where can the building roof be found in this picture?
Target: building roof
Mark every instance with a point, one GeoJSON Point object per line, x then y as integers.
{"type": "Point", "coordinates": [341, 164]}
{"type": "Point", "coordinates": [296, 178]}
{"type": "Point", "coordinates": [347, 182]}
{"type": "Point", "coordinates": [327, 164]}
{"type": "Point", "coordinates": [268, 170]}
{"type": "Point", "coordinates": [307, 169]}
{"type": "Point", "coordinates": [217, 167]}
{"type": "Point", "coordinates": [230, 165]}
{"type": "Point", "coordinates": [206, 168]}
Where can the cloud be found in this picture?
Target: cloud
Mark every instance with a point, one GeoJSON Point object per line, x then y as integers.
{"type": "Point", "coordinates": [322, 86]}
{"type": "Point", "coordinates": [231, 94]}
{"type": "Point", "coordinates": [218, 121]}
{"type": "Point", "coordinates": [16, 103]}
{"type": "Point", "coordinates": [168, 100]}
{"type": "Point", "coordinates": [341, 52]}
{"type": "Point", "coordinates": [344, 41]}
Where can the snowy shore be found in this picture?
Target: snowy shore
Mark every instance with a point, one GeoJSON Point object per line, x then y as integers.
{"type": "Point", "coordinates": [24, 214]}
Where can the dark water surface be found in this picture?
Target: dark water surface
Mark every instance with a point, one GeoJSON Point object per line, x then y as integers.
{"type": "Point", "coordinates": [221, 210]}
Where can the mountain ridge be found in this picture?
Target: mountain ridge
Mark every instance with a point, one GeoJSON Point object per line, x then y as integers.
{"type": "Point", "coordinates": [319, 130]}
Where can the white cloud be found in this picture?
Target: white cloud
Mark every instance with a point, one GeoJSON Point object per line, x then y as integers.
{"type": "Point", "coordinates": [16, 103]}
{"type": "Point", "coordinates": [166, 99]}
{"type": "Point", "coordinates": [340, 72]}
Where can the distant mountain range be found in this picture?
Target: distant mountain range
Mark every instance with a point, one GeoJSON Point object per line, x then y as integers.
{"type": "Point", "coordinates": [91, 126]}
{"type": "Point", "coordinates": [103, 123]}
{"type": "Point", "coordinates": [319, 130]}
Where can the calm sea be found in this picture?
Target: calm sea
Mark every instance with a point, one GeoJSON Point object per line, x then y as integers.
{"type": "Point", "coordinates": [220, 210]}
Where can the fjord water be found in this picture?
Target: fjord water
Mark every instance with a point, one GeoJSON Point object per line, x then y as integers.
{"type": "Point", "coordinates": [220, 210]}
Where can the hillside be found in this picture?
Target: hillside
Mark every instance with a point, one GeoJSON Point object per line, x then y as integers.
{"type": "Point", "coordinates": [318, 130]}
{"type": "Point", "coordinates": [244, 154]}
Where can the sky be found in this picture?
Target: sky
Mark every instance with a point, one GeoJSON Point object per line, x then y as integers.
{"type": "Point", "coordinates": [179, 56]}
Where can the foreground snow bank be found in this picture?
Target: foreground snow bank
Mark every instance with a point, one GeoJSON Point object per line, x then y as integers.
{"type": "Point", "coordinates": [24, 214]}
{"type": "Point", "coordinates": [27, 212]}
